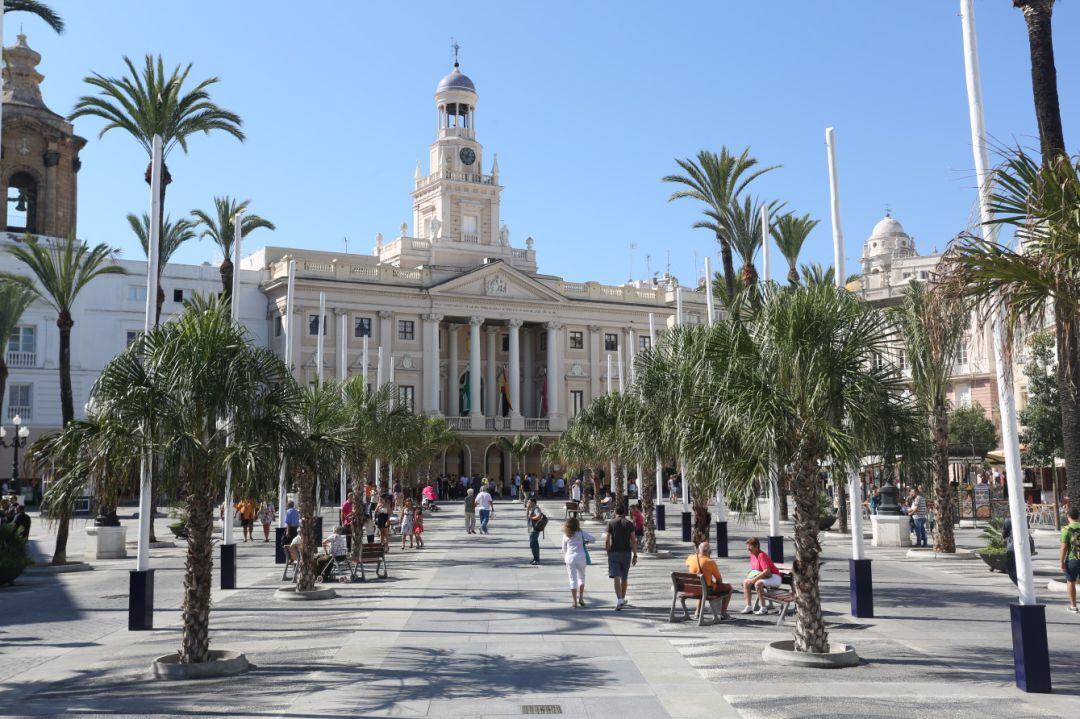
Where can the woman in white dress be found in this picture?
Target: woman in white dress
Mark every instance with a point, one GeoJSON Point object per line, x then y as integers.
{"type": "Point", "coordinates": [575, 556]}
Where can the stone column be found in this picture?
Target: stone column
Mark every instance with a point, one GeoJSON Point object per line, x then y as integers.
{"type": "Point", "coordinates": [492, 408]}
{"type": "Point", "coordinates": [453, 404]}
{"type": "Point", "coordinates": [342, 344]}
{"type": "Point", "coordinates": [474, 371]}
{"type": "Point", "coordinates": [595, 388]}
{"type": "Point", "coordinates": [431, 363]}
{"type": "Point", "coordinates": [515, 368]}
{"type": "Point", "coordinates": [300, 315]}
{"type": "Point", "coordinates": [528, 403]}
{"type": "Point", "coordinates": [628, 356]}
{"type": "Point", "coordinates": [554, 371]}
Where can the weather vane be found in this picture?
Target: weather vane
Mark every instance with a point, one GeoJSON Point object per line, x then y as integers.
{"type": "Point", "coordinates": [454, 50]}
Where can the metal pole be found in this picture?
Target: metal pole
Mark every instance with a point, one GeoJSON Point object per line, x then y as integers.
{"type": "Point", "coordinates": [766, 275]}
{"type": "Point", "coordinates": [709, 301]}
{"type": "Point", "coordinates": [834, 208]}
{"type": "Point", "coordinates": [287, 328]}
{"type": "Point", "coordinates": [320, 341]}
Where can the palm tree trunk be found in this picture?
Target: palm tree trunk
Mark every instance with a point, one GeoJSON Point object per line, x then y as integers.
{"type": "Point", "coordinates": [1068, 371]}
{"type": "Point", "coordinates": [810, 632]}
{"type": "Point", "coordinates": [1038, 15]}
{"type": "Point", "coordinates": [943, 501]}
{"type": "Point", "coordinates": [305, 573]}
{"type": "Point", "coordinates": [358, 511]}
{"type": "Point", "coordinates": [620, 495]}
{"type": "Point", "coordinates": [198, 576]}
{"type": "Point", "coordinates": [160, 303]}
{"type": "Point", "coordinates": [3, 377]}
{"type": "Point", "coordinates": [701, 518]}
{"type": "Point", "coordinates": [793, 276]}
{"type": "Point", "coordinates": [729, 264]}
{"type": "Point", "coordinates": [67, 412]}
{"type": "Point", "coordinates": [648, 492]}
{"type": "Point", "coordinates": [841, 497]}
{"type": "Point", "coordinates": [783, 484]}
{"type": "Point", "coordinates": [226, 272]}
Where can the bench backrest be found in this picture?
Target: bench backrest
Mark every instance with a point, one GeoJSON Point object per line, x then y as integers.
{"type": "Point", "coordinates": [372, 551]}
{"type": "Point", "coordinates": [293, 552]}
{"type": "Point", "coordinates": [688, 583]}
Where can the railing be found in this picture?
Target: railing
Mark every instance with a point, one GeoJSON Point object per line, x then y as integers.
{"type": "Point", "coordinates": [489, 423]}
{"type": "Point", "coordinates": [24, 413]}
{"type": "Point", "coordinates": [577, 288]}
{"type": "Point", "coordinates": [472, 177]}
{"type": "Point", "coordinates": [408, 274]}
{"type": "Point", "coordinates": [22, 359]}
{"type": "Point", "coordinates": [542, 424]}
{"type": "Point", "coordinates": [310, 266]}
{"type": "Point", "coordinates": [459, 423]}
{"type": "Point", "coordinates": [519, 254]}
{"type": "Point", "coordinates": [471, 239]}
{"type": "Point", "coordinates": [416, 243]}
{"type": "Point", "coordinates": [366, 272]}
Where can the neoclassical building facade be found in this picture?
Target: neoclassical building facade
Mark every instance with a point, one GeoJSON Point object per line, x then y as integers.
{"type": "Point", "coordinates": [462, 320]}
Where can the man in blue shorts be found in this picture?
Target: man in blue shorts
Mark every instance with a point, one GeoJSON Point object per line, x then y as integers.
{"type": "Point", "coordinates": [621, 553]}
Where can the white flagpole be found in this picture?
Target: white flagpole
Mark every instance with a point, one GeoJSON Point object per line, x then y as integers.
{"type": "Point", "coordinates": [343, 359]}
{"type": "Point", "coordinates": [364, 361]}
{"type": "Point", "coordinates": [378, 386]}
{"type": "Point", "coordinates": [834, 208]}
{"type": "Point", "coordinates": [766, 274]}
{"type": "Point", "coordinates": [709, 301]}
{"type": "Point", "coordinates": [678, 306]}
{"type": "Point", "coordinates": [320, 341]}
{"type": "Point", "coordinates": [1013, 474]}
{"type": "Point", "coordinates": [659, 464]}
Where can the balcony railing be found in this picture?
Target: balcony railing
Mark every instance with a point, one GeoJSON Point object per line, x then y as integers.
{"type": "Point", "coordinates": [24, 413]}
{"type": "Point", "coordinates": [22, 359]}
{"type": "Point", "coordinates": [459, 424]}
{"type": "Point", "coordinates": [542, 424]}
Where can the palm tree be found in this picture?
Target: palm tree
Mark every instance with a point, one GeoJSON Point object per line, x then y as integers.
{"type": "Point", "coordinates": [170, 391]}
{"type": "Point", "coordinates": [322, 434]}
{"type": "Point", "coordinates": [576, 454]}
{"type": "Point", "coordinates": [173, 234]}
{"type": "Point", "coordinates": [717, 181]}
{"type": "Point", "coordinates": [790, 233]}
{"type": "Point", "coordinates": [518, 446]}
{"type": "Point", "coordinates": [931, 327]}
{"type": "Point", "coordinates": [435, 437]}
{"type": "Point", "coordinates": [794, 382]}
{"type": "Point", "coordinates": [817, 274]}
{"type": "Point", "coordinates": [14, 299]}
{"type": "Point", "coordinates": [743, 224]}
{"type": "Point", "coordinates": [1038, 15]}
{"type": "Point", "coordinates": [61, 270]}
{"type": "Point", "coordinates": [218, 226]}
{"type": "Point", "coordinates": [372, 417]}
{"type": "Point", "coordinates": [1039, 201]}
{"type": "Point", "coordinates": [36, 7]}
{"type": "Point", "coordinates": [150, 102]}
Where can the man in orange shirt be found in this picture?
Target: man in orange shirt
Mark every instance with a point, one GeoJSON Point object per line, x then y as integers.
{"type": "Point", "coordinates": [246, 509]}
{"type": "Point", "coordinates": [702, 563]}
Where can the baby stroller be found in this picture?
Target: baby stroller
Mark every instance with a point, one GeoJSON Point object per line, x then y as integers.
{"type": "Point", "coordinates": [338, 568]}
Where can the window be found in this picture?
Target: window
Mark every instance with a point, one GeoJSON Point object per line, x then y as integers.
{"type": "Point", "coordinates": [577, 340]}
{"type": "Point", "coordinates": [901, 361]}
{"type": "Point", "coordinates": [313, 326]}
{"type": "Point", "coordinates": [645, 342]}
{"type": "Point", "coordinates": [963, 395]}
{"type": "Point", "coordinates": [22, 203]}
{"type": "Point", "coordinates": [181, 296]}
{"type": "Point", "coordinates": [506, 343]}
{"type": "Point", "coordinates": [407, 395]}
{"type": "Point", "coordinates": [137, 293]}
{"type": "Point", "coordinates": [406, 330]}
{"type": "Point", "coordinates": [277, 325]}
{"type": "Point", "coordinates": [962, 351]}
{"type": "Point", "coordinates": [130, 336]}
{"type": "Point", "coordinates": [22, 339]}
{"type": "Point", "coordinates": [611, 342]}
{"type": "Point", "coordinates": [469, 225]}
{"type": "Point", "coordinates": [361, 327]}
{"type": "Point", "coordinates": [879, 361]}
{"type": "Point", "coordinates": [577, 401]}
{"type": "Point", "coordinates": [20, 401]}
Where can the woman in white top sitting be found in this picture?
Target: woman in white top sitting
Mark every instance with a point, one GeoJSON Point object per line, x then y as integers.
{"type": "Point", "coordinates": [573, 546]}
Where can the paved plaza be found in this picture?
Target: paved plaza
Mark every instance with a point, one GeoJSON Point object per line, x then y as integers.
{"type": "Point", "coordinates": [467, 628]}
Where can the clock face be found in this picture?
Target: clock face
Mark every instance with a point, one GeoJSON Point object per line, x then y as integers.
{"type": "Point", "coordinates": [467, 155]}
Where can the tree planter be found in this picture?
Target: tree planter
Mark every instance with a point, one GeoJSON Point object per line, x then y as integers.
{"type": "Point", "coordinates": [179, 530]}
{"type": "Point", "coordinates": [222, 663]}
{"type": "Point", "coordinates": [658, 554]}
{"type": "Point", "coordinates": [783, 652]}
{"type": "Point", "coordinates": [289, 594]}
{"type": "Point", "coordinates": [928, 553]}
{"type": "Point", "coordinates": [997, 562]}
{"type": "Point", "coordinates": [8, 575]}
{"type": "Point", "coordinates": [825, 523]}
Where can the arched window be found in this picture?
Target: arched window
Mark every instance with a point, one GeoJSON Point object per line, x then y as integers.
{"type": "Point", "coordinates": [22, 203]}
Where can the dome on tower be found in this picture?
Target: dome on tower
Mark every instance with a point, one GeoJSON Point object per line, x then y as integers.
{"type": "Point", "coordinates": [888, 241]}
{"type": "Point", "coordinates": [887, 227]}
{"type": "Point", "coordinates": [456, 80]}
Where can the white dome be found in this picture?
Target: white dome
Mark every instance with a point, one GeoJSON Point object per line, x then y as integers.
{"type": "Point", "coordinates": [887, 227]}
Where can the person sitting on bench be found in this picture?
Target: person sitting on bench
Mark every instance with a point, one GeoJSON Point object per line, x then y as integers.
{"type": "Point", "coordinates": [763, 573]}
{"type": "Point", "coordinates": [702, 563]}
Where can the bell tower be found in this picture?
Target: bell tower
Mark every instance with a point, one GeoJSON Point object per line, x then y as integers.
{"type": "Point", "coordinates": [39, 158]}
{"type": "Point", "coordinates": [456, 202]}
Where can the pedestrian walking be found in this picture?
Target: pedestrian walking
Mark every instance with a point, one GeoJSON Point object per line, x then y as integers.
{"type": "Point", "coordinates": [919, 514]}
{"type": "Point", "coordinates": [245, 508]}
{"type": "Point", "coordinates": [621, 553]}
{"type": "Point", "coordinates": [382, 520]}
{"type": "Point", "coordinates": [1070, 555]}
{"type": "Point", "coordinates": [266, 518]}
{"type": "Point", "coordinates": [418, 526]}
{"type": "Point", "coordinates": [292, 522]}
{"type": "Point", "coordinates": [485, 506]}
{"type": "Point", "coordinates": [536, 521]}
{"type": "Point", "coordinates": [470, 512]}
{"type": "Point", "coordinates": [405, 520]}
{"type": "Point", "coordinates": [576, 557]}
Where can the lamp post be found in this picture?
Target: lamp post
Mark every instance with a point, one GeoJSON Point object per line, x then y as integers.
{"type": "Point", "coordinates": [18, 440]}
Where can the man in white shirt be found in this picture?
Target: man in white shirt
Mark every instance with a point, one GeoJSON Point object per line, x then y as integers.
{"type": "Point", "coordinates": [575, 491]}
{"type": "Point", "coordinates": [484, 507]}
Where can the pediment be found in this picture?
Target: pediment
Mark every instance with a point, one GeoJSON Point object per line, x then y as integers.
{"type": "Point", "coordinates": [498, 281]}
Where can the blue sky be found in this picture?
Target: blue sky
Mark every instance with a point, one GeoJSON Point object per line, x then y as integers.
{"type": "Point", "coordinates": [586, 105]}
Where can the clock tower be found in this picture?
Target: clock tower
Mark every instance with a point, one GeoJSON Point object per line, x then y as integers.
{"type": "Point", "coordinates": [456, 204]}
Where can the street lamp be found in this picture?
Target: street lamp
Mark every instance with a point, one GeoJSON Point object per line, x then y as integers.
{"type": "Point", "coordinates": [19, 440]}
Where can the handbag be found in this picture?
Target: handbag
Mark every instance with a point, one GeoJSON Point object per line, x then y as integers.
{"type": "Point", "coordinates": [585, 546]}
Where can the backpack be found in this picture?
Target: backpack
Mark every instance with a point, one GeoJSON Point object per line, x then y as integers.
{"type": "Point", "coordinates": [1074, 543]}
{"type": "Point", "coordinates": [540, 523]}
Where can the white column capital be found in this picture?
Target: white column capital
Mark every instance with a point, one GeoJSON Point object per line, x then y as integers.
{"type": "Point", "coordinates": [491, 329]}
{"type": "Point", "coordinates": [552, 326]}
{"type": "Point", "coordinates": [595, 329]}
{"type": "Point", "coordinates": [386, 314]}
{"type": "Point", "coordinates": [476, 321]}
{"type": "Point", "coordinates": [432, 317]}
{"type": "Point", "coordinates": [454, 327]}
{"type": "Point", "coordinates": [515, 323]}
{"type": "Point", "coordinates": [340, 311]}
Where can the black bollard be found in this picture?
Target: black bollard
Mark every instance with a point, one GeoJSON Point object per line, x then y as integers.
{"type": "Point", "coordinates": [279, 544]}
{"type": "Point", "coordinates": [776, 549]}
{"type": "Point", "coordinates": [228, 566]}
{"type": "Point", "coordinates": [1031, 654]}
{"type": "Point", "coordinates": [141, 600]}
{"type": "Point", "coordinates": [661, 525]}
{"type": "Point", "coordinates": [862, 588]}
{"type": "Point", "coordinates": [721, 539]}
{"type": "Point", "coordinates": [687, 526]}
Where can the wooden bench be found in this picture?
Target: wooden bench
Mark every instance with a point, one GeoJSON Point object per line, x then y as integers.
{"type": "Point", "coordinates": [292, 559]}
{"type": "Point", "coordinates": [371, 553]}
{"type": "Point", "coordinates": [684, 586]}
{"type": "Point", "coordinates": [784, 595]}
{"type": "Point", "coordinates": [573, 509]}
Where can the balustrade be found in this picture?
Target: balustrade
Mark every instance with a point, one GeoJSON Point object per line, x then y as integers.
{"type": "Point", "coordinates": [21, 359]}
